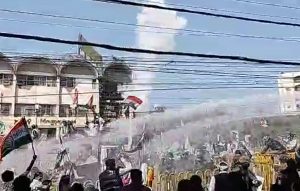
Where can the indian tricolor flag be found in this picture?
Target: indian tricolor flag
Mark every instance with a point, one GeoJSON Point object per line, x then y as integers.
{"type": "Point", "coordinates": [17, 136]}
{"type": "Point", "coordinates": [133, 101]}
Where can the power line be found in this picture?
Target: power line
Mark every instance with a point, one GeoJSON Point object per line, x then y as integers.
{"type": "Point", "coordinates": [138, 61]}
{"type": "Point", "coordinates": [135, 60]}
{"type": "Point", "coordinates": [158, 89]}
{"type": "Point", "coordinates": [267, 4]}
{"type": "Point", "coordinates": [190, 32]}
{"type": "Point", "coordinates": [149, 67]}
{"type": "Point", "coordinates": [224, 10]}
{"type": "Point", "coordinates": [144, 51]}
{"type": "Point", "coordinates": [175, 70]}
{"type": "Point", "coordinates": [124, 2]}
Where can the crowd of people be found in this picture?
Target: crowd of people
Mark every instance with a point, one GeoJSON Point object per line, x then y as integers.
{"type": "Point", "coordinates": [109, 180]}
{"type": "Point", "coordinates": [237, 177]}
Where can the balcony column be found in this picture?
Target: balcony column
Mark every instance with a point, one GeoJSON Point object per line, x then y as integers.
{"type": "Point", "coordinates": [58, 100]}
{"type": "Point", "coordinates": [15, 98]}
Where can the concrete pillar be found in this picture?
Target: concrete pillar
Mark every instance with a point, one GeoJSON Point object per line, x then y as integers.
{"type": "Point", "coordinates": [58, 101]}
{"type": "Point", "coordinates": [15, 98]}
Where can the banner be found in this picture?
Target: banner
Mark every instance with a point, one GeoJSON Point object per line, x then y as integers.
{"type": "Point", "coordinates": [17, 136]}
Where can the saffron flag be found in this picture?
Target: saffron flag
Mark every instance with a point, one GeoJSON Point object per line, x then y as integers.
{"type": "Point", "coordinates": [133, 101]}
{"type": "Point", "coordinates": [17, 136]}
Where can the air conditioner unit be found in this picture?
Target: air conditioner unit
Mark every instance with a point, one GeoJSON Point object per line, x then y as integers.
{"type": "Point", "coordinates": [6, 82]}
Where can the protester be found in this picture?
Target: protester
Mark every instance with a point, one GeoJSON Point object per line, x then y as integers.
{"type": "Point", "coordinates": [296, 186]}
{"type": "Point", "coordinates": [7, 179]}
{"type": "Point", "coordinates": [136, 176]}
{"type": "Point", "coordinates": [64, 183]}
{"type": "Point", "coordinates": [46, 185]}
{"type": "Point", "coordinates": [240, 178]}
{"type": "Point", "coordinates": [196, 183]}
{"type": "Point", "coordinates": [250, 180]}
{"type": "Point", "coordinates": [76, 186]}
{"type": "Point", "coordinates": [110, 179]}
{"type": "Point", "coordinates": [220, 182]}
{"type": "Point", "coordinates": [291, 173]}
{"type": "Point", "coordinates": [21, 183]}
{"type": "Point", "coordinates": [37, 181]}
{"type": "Point", "coordinates": [89, 186]}
{"type": "Point", "coordinates": [184, 185]}
{"type": "Point", "coordinates": [280, 183]}
{"type": "Point", "coordinates": [272, 145]}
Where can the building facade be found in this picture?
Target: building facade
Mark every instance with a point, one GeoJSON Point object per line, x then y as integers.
{"type": "Point", "coordinates": [289, 92]}
{"type": "Point", "coordinates": [44, 90]}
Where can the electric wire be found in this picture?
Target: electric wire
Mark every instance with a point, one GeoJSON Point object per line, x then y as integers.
{"type": "Point", "coordinates": [144, 51]}
{"type": "Point", "coordinates": [209, 14]}
{"type": "Point", "coordinates": [267, 4]}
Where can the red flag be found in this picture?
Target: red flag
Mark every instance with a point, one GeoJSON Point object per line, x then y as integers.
{"type": "Point", "coordinates": [90, 103]}
{"type": "Point", "coordinates": [133, 101]}
{"type": "Point", "coordinates": [18, 136]}
{"type": "Point", "coordinates": [75, 98]}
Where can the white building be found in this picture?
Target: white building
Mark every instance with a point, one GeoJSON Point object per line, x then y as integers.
{"type": "Point", "coordinates": [31, 83]}
{"type": "Point", "coordinates": [289, 91]}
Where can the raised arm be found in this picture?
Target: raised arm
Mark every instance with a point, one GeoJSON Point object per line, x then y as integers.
{"type": "Point", "coordinates": [30, 165]}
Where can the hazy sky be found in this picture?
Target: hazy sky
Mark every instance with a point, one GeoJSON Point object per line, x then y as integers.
{"type": "Point", "coordinates": [126, 36]}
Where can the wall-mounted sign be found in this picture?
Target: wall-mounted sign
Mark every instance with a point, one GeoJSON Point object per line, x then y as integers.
{"type": "Point", "coordinates": [54, 122]}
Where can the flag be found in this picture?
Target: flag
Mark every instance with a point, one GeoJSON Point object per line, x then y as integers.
{"type": "Point", "coordinates": [89, 52]}
{"type": "Point", "coordinates": [133, 101]}
{"type": "Point", "coordinates": [17, 136]}
{"type": "Point", "coordinates": [90, 103]}
{"type": "Point", "coordinates": [60, 157]}
{"type": "Point", "coordinates": [75, 98]}
{"type": "Point", "coordinates": [139, 145]}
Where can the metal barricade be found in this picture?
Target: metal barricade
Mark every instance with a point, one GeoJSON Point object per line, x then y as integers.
{"type": "Point", "coordinates": [262, 165]}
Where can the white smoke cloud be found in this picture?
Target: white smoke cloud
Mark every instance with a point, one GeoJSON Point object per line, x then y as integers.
{"type": "Point", "coordinates": [155, 40]}
{"type": "Point", "coordinates": [195, 119]}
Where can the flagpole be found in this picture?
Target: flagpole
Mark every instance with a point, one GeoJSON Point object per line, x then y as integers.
{"type": "Point", "coordinates": [130, 131]}
{"type": "Point", "coordinates": [32, 146]}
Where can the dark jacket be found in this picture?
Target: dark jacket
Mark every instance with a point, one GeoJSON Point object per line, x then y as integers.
{"type": "Point", "coordinates": [292, 177]}
{"type": "Point", "coordinates": [238, 183]}
{"type": "Point", "coordinates": [110, 180]}
{"type": "Point", "coordinates": [277, 187]}
{"type": "Point", "coordinates": [222, 182]}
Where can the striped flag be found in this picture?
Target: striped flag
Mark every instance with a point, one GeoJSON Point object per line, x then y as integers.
{"type": "Point", "coordinates": [75, 98]}
{"type": "Point", "coordinates": [17, 136]}
{"type": "Point", "coordinates": [133, 101]}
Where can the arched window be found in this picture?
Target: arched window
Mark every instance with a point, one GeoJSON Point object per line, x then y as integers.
{"type": "Point", "coordinates": [36, 71]}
